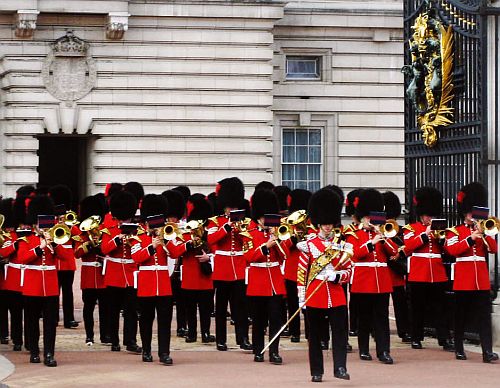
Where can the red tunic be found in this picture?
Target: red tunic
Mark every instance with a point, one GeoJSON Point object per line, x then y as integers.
{"type": "Point", "coordinates": [12, 270]}
{"type": "Point", "coordinates": [470, 270]}
{"type": "Point", "coordinates": [152, 277]}
{"type": "Point", "coordinates": [118, 264]}
{"type": "Point", "coordinates": [40, 274]}
{"type": "Point", "coordinates": [91, 271]}
{"type": "Point", "coordinates": [424, 258]}
{"type": "Point", "coordinates": [371, 274]}
{"type": "Point", "coordinates": [264, 274]}
{"type": "Point", "coordinates": [330, 294]}
{"type": "Point", "coordinates": [229, 264]}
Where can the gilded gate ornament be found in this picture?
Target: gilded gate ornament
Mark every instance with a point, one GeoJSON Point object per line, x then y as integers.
{"type": "Point", "coordinates": [431, 74]}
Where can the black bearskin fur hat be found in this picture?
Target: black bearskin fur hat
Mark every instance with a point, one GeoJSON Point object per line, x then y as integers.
{"type": "Point", "coordinates": [264, 202]}
{"type": "Point", "coordinates": [39, 205]}
{"type": "Point", "coordinates": [198, 208]}
{"type": "Point", "coordinates": [184, 190]}
{"type": "Point", "coordinates": [136, 189]}
{"type": "Point", "coordinates": [91, 206]}
{"type": "Point", "coordinates": [153, 205]}
{"type": "Point", "coordinates": [473, 194]}
{"type": "Point", "coordinates": [176, 204]}
{"type": "Point", "coordinates": [230, 193]}
{"type": "Point", "coordinates": [298, 199]}
{"type": "Point", "coordinates": [351, 201]}
{"type": "Point", "coordinates": [123, 205]}
{"type": "Point", "coordinates": [61, 195]}
{"type": "Point", "coordinates": [282, 194]}
{"type": "Point", "coordinates": [370, 200]}
{"type": "Point", "coordinates": [324, 208]}
{"type": "Point", "coordinates": [264, 185]}
{"type": "Point", "coordinates": [337, 190]}
{"type": "Point", "coordinates": [7, 209]}
{"type": "Point", "coordinates": [428, 201]}
{"type": "Point", "coordinates": [392, 206]}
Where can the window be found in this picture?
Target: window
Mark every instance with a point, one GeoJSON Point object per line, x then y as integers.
{"type": "Point", "coordinates": [303, 68]}
{"type": "Point", "coordinates": [301, 160]}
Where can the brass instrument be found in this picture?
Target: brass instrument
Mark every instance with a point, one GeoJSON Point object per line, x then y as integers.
{"type": "Point", "coordinates": [171, 231]}
{"type": "Point", "coordinates": [439, 234]}
{"type": "Point", "coordinates": [197, 230]}
{"type": "Point", "coordinates": [293, 225]}
{"type": "Point", "coordinates": [242, 227]}
{"type": "Point", "coordinates": [2, 238]}
{"type": "Point", "coordinates": [390, 229]}
{"type": "Point", "coordinates": [60, 233]}
{"type": "Point", "coordinates": [70, 218]}
{"type": "Point", "coordinates": [91, 226]}
{"type": "Point", "coordinates": [490, 227]}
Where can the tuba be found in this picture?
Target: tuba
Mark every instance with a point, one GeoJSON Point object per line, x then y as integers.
{"type": "Point", "coordinates": [60, 233]}
{"type": "Point", "coordinates": [91, 226]}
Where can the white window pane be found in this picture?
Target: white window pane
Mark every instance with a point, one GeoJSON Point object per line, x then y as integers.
{"type": "Point", "coordinates": [313, 172]}
{"type": "Point", "coordinates": [315, 137]}
{"type": "Point", "coordinates": [289, 172]}
{"type": "Point", "coordinates": [289, 137]}
{"type": "Point", "coordinates": [301, 185]}
{"type": "Point", "coordinates": [301, 172]}
{"type": "Point", "coordinates": [314, 154]}
{"type": "Point", "coordinates": [288, 154]}
{"type": "Point", "coordinates": [301, 137]}
{"type": "Point", "coordinates": [301, 154]}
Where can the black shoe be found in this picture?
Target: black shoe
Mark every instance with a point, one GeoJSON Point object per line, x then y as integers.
{"type": "Point", "coordinates": [134, 348]}
{"type": "Point", "coordinates": [147, 357]}
{"type": "Point", "coordinates": [35, 359]}
{"type": "Point", "coordinates": [365, 356]}
{"type": "Point", "coordinates": [4, 340]}
{"type": "Point", "coordinates": [416, 345]}
{"type": "Point", "coordinates": [460, 355]}
{"type": "Point", "coordinates": [246, 345]}
{"type": "Point", "coordinates": [181, 332]}
{"type": "Point", "coordinates": [115, 348]}
{"type": "Point", "coordinates": [17, 348]}
{"type": "Point", "coordinates": [89, 341]}
{"type": "Point", "coordinates": [207, 338]}
{"type": "Point", "coordinates": [490, 357]}
{"type": "Point", "coordinates": [385, 358]}
{"type": "Point", "coordinates": [295, 338]}
{"type": "Point", "coordinates": [285, 333]}
{"type": "Point", "coordinates": [71, 325]}
{"type": "Point", "coordinates": [317, 378]}
{"type": "Point", "coordinates": [49, 360]}
{"type": "Point", "coordinates": [275, 358]}
{"type": "Point", "coordinates": [190, 339]}
{"type": "Point", "coordinates": [341, 373]}
{"type": "Point", "coordinates": [406, 338]}
{"type": "Point", "coordinates": [349, 348]}
{"type": "Point", "coordinates": [448, 346]}
{"type": "Point", "coordinates": [258, 358]}
{"type": "Point", "coordinates": [324, 345]}
{"type": "Point", "coordinates": [165, 359]}
{"type": "Point", "coordinates": [222, 347]}
{"type": "Point", "coordinates": [353, 333]}
{"type": "Point", "coordinates": [106, 340]}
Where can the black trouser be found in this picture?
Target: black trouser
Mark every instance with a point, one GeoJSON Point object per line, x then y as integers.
{"type": "Point", "coordinates": [337, 318]}
{"type": "Point", "coordinates": [264, 309]}
{"type": "Point", "coordinates": [127, 298]}
{"type": "Point", "coordinates": [424, 294]}
{"type": "Point", "coordinates": [90, 297]}
{"type": "Point", "coordinates": [163, 307]}
{"type": "Point", "coordinates": [292, 299]}
{"type": "Point", "coordinates": [373, 312]}
{"type": "Point", "coordinates": [400, 303]}
{"type": "Point", "coordinates": [4, 314]}
{"type": "Point", "coordinates": [353, 313]}
{"type": "Point", "coordinates": [475, 304]}
{"type": "Point", "coordinates": [179, 300]}
{"type": "Point", "coordinates": [198, 300]}
{"type": "Point", "coordinates": [48, 307]}
{"type": "Point", "coordinates": [234, 291]}
{"type": "Point", "coordinates": [15, 304]}
{"type": "Point", "coordinates": [66, 279]}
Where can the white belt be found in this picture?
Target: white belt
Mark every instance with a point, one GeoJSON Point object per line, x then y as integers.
{"type": "Point", "coordinates": [153, 268]}
{"type": "Point", "coordinates": [13, 265]}
{"type": "Point", "coordinates": [321, 277]}
{"type": "Point", "coordinates": [114, 260]}
{"type": "Point", "coordinates": [427, 255]}
{"type": "Point", "coordinates": [229, 253]}
{"type": "Point", "coordinates": [371, 264]}
{"type": "Point", "coordinates": [470, 258]}
{"type": "Point", "coordinates": [36, 268]}
{"type": "Point", "coordinates": [265, 265]}
{"type": "Point", "coordinates": [91, 264]}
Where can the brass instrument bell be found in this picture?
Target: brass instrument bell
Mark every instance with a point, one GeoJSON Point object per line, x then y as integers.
{"type": "Point", "coordinates": [196, 229]}
{"type": "Point", "coordinates": [170, 231]}
{"type": "Point", "coordinates": [91, 226]}
{"type": "Point", "coordinates": [70, 218]}
{"type": "Point", "coordinates": [60, 233]}
{"type": "Point", "coordinates": [490, 226]}
{"type": "Point", "coordinates": [390, 229]}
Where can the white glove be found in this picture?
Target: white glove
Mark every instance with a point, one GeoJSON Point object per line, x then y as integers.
{"type": "Point", "coordinates": [301, 290]}
{"type": "Point", "coordinates": [334, 277]}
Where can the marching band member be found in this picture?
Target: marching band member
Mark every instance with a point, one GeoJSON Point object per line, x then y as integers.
{"type": "Point", "coordinates": [229, 265]}
{"type": "Point", "coordinates": [324, 211]}
{"type": "Point", "coordinates": [118, 270]}
{"type": "Point", "coordinates": [154, 290]}
{"type": "Point", "coordinates": [471, 282]}
{"type": "Point", "coordinates": [371, 281]}
{"type": "Point", "coordinates": [427, 278]}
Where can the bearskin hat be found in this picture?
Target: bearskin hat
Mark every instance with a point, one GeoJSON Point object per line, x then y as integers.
{"type": "Point", "coordinates": [264, 185]}
{"type": "Point", "coordinates": [298, 199]}
{"type": "Point", "coordinates": [123, 205]}
{"type": "Point", "coordinates": [370, 200]}
{"type": "Point", "coordinates": [212, 199]}
{"type": "Point", "coordinates": [7, 209]}
{"type": "Point", "coordinates": [282, 194]}
{"type": "Point", "coordinates": [392, 206]}
{"type": "Point", "coordinates": [61, 195]}
{"type": "Point", "coordinates": [184, 190]}
{"type": "Point", "coordinates": [39, 205]}
{"type": "Point", "coordinates": [198, 208]}
{"type": "Point", "coordinates": [176, 204]}
{"type": "Point", "coordinates": [264, 202]}
{"type": "Point", "coordinates": [91, 206]}
{"type": "Point", "coordinates": [337, 190]}
{"type": "Point", "coordinates": [136, 189]}
{"type": "Point", "coordinates": [473, 194]}
{"type": "Point", "coordinates": [351, 201]}
{"type": "Point", "coordinates": [428, 201]}
{"type": "Point", "coordinates": [230, 193]}
{"type": "Point", "coordinates": [25, 191]}
{"type": "Point", "coordinates": [112, 188]}
{"type": "Point", "coordinates": [154, 204]}
{"type": "Point", "coordinates": [324, 207]}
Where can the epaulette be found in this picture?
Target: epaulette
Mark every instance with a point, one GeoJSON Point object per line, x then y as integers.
{"type": "Point", "coordinates": [409, 227]}
{"type": "Point", "coordinates": [140, 230]}
{"type": "Point", "coordinates": [348, 228]}
{"type": "Point", "coordinates": [214, 220]}
{"type": "Point", "coordinates": [105, 231]}
{"type": "Point", "coordinates": [77, 238]}
{"type": "Point", "coordinates": [351, 233]}
{"type": "Point", "coordinates": [453, 230]}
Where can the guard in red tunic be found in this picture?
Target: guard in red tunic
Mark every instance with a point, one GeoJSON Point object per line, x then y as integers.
{"type": "Point", "coordinates": [118, 270]}
{"type": "Point", "coordinates": [154, 291]}
{"type": "Point", "coordinates": [229, 265]}
{"type": "Point", "coordinates": [397, 267]}
{"type": "Point", "coordinates": [471, 282]}
{"type": "Point", "coordinates": [39, 279]}
{"type": "Point", "coordinates": [87, 248]}
{"type": "Point", "coordinates": [371, 281]}
{"type": "Point", "coordinates": [315, 269]}
{"type": "Point", "coordinates": [427, 280]}
{"type": "Point", "coordinates": [266, 284]}
{"type": "Point", "coordinates": [298, 199]}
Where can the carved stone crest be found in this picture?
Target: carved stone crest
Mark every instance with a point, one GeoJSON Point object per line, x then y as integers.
{"type": "Point", "coordinates": [69, 72]}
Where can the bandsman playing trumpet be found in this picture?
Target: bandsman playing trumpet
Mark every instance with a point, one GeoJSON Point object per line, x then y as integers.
{"type": "Point", "coordinates": [470, 243]}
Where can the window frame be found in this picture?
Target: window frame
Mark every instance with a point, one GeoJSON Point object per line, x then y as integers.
{"type": "Point", "coordinates": [312, 58]}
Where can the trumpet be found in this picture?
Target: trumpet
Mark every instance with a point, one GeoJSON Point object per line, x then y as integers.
{"type": "Point", "coordinates": [91, 226]}
{"type": "Point", "coordinates": [390, 229]}
{"type": "Point", "coordinates": [60, 233]}
{"type": "Point", "coordinates": [70, 218]}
